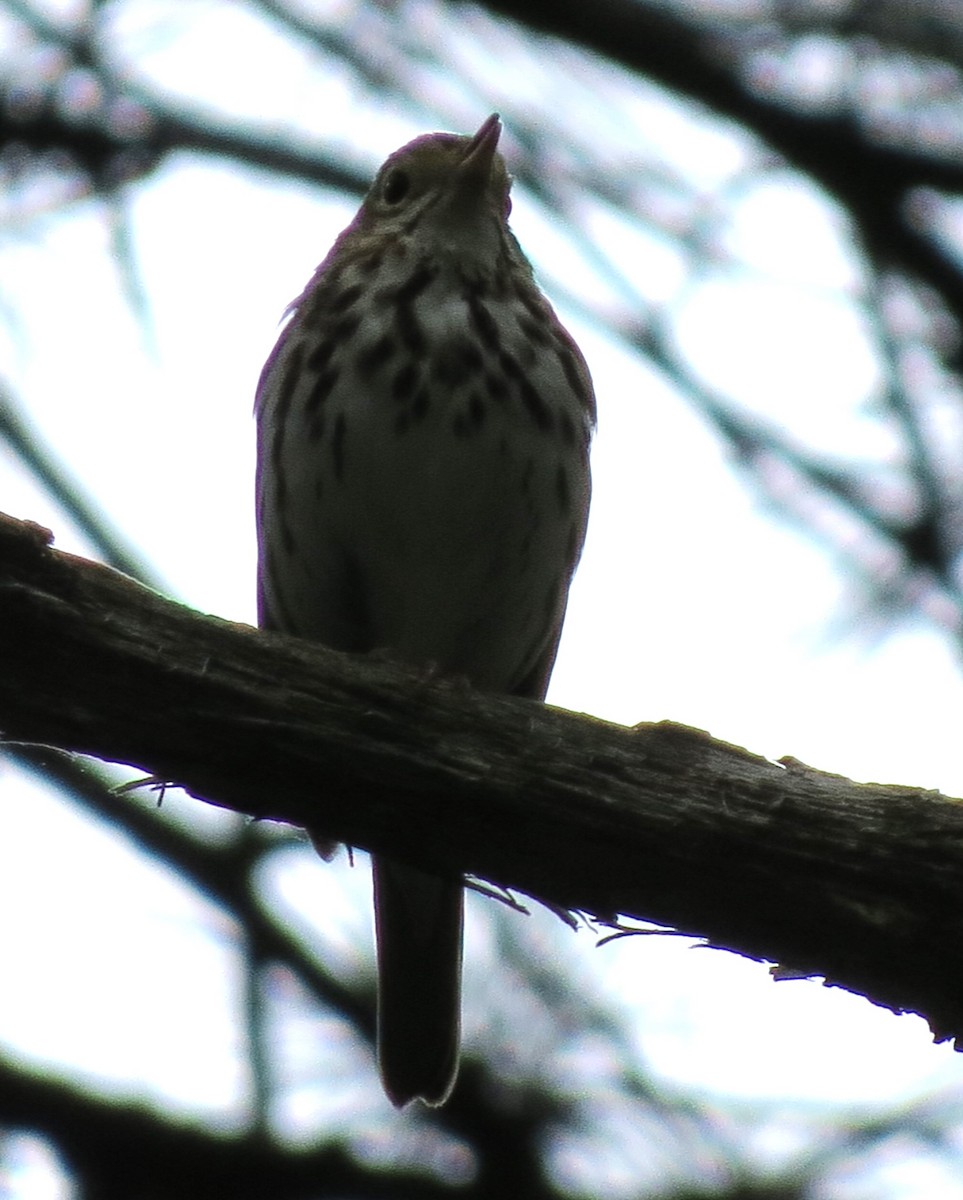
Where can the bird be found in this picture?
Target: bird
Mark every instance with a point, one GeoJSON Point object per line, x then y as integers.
{"type": "Point", "coordinates": [422, 490]}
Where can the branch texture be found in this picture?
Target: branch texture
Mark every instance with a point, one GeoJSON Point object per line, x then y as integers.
{"type": "Point", "coordinates": [860, 883]}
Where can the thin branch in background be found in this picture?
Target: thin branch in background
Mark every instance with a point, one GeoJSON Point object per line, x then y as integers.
{"type": "Point", "coordinates": [258, 1046]}
{"type": "Point", "coordinates": [40, 460]}
{"type": "Point", "coordinates": [218, 873]}
{"type": "Point", "coordinates": [124, 254]}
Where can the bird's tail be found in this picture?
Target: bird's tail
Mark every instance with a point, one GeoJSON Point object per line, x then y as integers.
{"type": "Point", "coordinates": [418, 924]}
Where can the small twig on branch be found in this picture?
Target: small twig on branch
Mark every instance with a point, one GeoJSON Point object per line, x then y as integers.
{"type": "Point", "coordinates": [859, 883]}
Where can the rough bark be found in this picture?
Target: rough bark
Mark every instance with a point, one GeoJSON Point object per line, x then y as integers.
{"type": "Point", "coordinates": [859, 883]}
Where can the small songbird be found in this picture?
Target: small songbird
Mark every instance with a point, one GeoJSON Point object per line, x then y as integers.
{"type": "Point", "coordinates": [423, 489]}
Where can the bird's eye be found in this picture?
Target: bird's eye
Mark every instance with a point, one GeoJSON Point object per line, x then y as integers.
{"type": "Point", "coordinates": [396, 186]}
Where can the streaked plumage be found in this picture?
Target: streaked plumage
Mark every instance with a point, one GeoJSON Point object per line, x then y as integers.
{"type": "Point", "coordinates": [423, 487]}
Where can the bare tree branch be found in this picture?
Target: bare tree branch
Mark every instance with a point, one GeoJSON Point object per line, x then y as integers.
{"type": "Point", "coordinates": [122, 1150]}
{"type": "Point", "coordinates": [860, 883]}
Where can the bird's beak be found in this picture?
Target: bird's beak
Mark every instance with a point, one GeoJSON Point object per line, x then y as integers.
{"type": "Point", "coordinates": [476, 167]}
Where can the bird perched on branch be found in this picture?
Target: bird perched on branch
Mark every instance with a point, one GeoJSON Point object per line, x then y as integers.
{"type": "Point", "coordinates": [423, 488]}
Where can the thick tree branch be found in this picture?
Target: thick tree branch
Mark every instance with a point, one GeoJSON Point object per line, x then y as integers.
{"type": "Point", "coordinates": [860, 883]}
